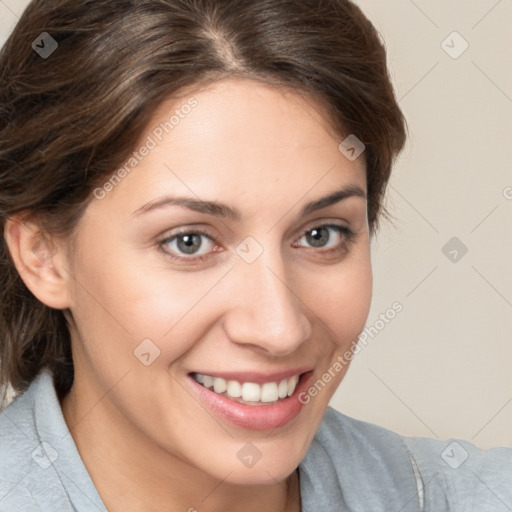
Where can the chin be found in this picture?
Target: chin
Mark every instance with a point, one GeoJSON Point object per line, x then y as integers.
{"type": "Point", "coordinates": [253, 463]}
{"type": "Point", "coordinates": [267, 474]}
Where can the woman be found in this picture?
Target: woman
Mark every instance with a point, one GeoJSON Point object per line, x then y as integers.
{"type": "Point", "coordinates": [188, 193]}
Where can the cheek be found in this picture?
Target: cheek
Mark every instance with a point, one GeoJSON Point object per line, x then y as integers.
{"type": "Point", "coordinates": [340, 296]}
{"type": "Point", "coordinates": [342, 302]}
{"type": "Point", "coordinates": [128, 301]}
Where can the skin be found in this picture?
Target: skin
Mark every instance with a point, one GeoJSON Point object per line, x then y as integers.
{"type": "Point", "coordinates": [143, 438]}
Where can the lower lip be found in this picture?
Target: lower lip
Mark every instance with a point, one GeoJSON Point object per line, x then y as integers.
{"type": "Point", "coordinates": [253, 417]}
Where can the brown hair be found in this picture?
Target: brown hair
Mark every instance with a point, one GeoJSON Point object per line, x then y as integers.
{"type": "Point", "coordinates": [68, 120]}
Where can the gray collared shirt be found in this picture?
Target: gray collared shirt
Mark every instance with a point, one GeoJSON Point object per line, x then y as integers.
{"type": "Point", "coordinates": [351, 466]}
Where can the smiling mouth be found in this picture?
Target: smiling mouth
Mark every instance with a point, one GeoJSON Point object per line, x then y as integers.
{"type": "Point", "coordinates": [249, 393]}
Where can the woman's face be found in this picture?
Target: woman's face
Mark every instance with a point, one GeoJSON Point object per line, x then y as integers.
{"type": "Point", "coordinates": [253, 291]}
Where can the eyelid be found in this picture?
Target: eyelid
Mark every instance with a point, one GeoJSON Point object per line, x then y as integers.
{"type": "Point", "coordinates": [188, 229]}
{"type": "Point", "coordinates": [323, 222]}
{"type": "Point", "coordinates": [193, 228]}
{"type": "Point", "coordinates": [348, 234]}
{"type": "Point", "coordinates": [345, 231]}
{"type": "Point", "coordinates": [192, 259]}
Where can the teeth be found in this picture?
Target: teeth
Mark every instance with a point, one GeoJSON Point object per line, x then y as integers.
{"type": "Point", "coordinates": [292, 383]}
{"type": "Point", "coordinates": [283, 389]}
{"type": "Point", "coordinates": [207, 381]}
{"type": "Point", "coordinates": [269, 392]}
{"type": "Point", "coordinates": [234, 389]}
{"type": "Point", "coordinates": [249, 391]}
{"type": "Point", "coordinates": [219, 385]}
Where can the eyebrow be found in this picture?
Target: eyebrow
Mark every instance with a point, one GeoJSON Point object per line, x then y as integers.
{"type": "Point", "coordinates": [222, 210]}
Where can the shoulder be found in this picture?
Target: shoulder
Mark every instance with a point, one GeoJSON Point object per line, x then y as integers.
{"type": "Point", "coordinates": [434, 475]}
{"type": "Point", "coordinates": [460, 476]}
{"type": "Point", "coordinates": [365, 466]}
{"type": "Point", "coordinates": [17, 443]}
{"type": "Point", "coordinates": [348, 439]}
{"type": "Point", "coordinates": [26, 472]}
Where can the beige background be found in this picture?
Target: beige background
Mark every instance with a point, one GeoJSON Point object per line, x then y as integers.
{"type": "Point", "coordinates": [442, 367]}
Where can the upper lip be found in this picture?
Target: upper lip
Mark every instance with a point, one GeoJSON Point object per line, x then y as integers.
{"type": "Point", "coordinates": [257, 377]}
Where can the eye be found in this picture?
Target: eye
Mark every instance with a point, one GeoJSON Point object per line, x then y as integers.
{"type": "Point", "coordinates": [197, 245]}
{"type": "Point", "coordinates": [328, 237]}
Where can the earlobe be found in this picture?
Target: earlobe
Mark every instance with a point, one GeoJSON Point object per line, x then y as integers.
{"type": "Point", "coordinates": [39, 261]}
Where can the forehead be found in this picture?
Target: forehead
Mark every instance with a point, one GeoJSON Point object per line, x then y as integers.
{"type": "Point", "coordinates": [237, 138]}
{"type": "Point", "coordinates": [252, 113]}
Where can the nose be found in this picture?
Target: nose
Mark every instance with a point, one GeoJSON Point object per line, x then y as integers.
{"type": "Point", "coordinates": [265, 311]}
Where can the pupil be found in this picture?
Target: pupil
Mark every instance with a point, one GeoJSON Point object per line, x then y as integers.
{"type": "Point", "coordinates": [318, 237]}
{"type": "Point", "coordinates": [189, 243]}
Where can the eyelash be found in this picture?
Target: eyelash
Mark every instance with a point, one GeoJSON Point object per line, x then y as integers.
{"type": "Point", "coordinates": [348, 239]}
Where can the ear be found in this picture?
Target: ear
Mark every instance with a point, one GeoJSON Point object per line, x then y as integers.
{"type": "Point", "coordinates": [40, 262]}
